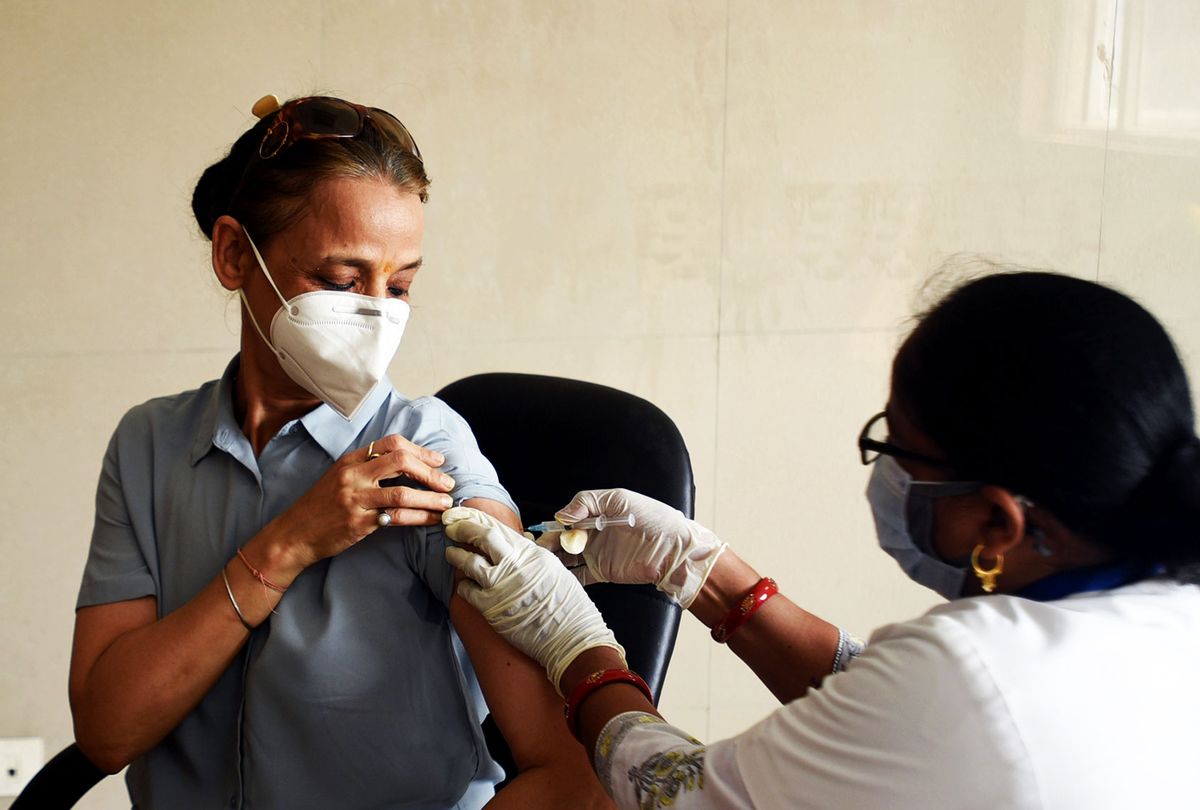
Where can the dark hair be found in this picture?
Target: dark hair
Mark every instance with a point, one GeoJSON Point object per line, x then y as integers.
{"type": "Point", "coordinates": [1069, 393]}
{"type": "Point", "coordinates": [268, 195]}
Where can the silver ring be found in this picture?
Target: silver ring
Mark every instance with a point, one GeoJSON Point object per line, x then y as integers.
{"type": "Point", "coordinates": [384, 518]}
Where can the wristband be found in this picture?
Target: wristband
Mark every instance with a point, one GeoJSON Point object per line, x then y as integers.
{"type": "Point", "coordinates": [746, 607]}
{"type": "Point", "coordinates": [597, 680]}
{"type": "Point", "coordinates": [259, 575]}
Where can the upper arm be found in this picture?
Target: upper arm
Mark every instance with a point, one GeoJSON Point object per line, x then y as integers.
{"type": "Point", "coordinates": [524, 704]}
{"type": "Point", "coordinates": [500, 511]}
{"type": "Point", "coordinates": [526, 707]}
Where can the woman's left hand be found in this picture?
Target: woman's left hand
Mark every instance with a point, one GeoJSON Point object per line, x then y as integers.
{"type": "Point", "coordinates": [524, 592]}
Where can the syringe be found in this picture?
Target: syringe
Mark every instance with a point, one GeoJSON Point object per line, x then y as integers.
{"type": "Point", "coordinates": [597, 523]}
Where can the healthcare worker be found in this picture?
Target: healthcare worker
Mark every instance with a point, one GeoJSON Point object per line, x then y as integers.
{"type": "Point", "coordinates": [1036, 465]}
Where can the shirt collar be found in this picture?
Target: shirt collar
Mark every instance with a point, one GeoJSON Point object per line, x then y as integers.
{"type": "Point", "coordinates": [1082, 580]}
{"type": "Point", "coordinates": [217, 419]}
{"type": "Point", "coordinates": [219, 428]}
{"type": "Point", "coordinates": [334, 433]}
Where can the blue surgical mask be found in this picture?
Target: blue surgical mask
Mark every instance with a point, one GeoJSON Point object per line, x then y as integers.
{"type": "Point", "coordinates": [903, 512]}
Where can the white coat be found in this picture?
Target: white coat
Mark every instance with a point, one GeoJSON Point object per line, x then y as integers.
{"type": "Point", "coordinates": [1092, 701]}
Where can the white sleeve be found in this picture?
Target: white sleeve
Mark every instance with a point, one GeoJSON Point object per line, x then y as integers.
{"type": "Point", "coordinates": [915, 722]}
{"type": "Point", "coordinates": [643, 762]}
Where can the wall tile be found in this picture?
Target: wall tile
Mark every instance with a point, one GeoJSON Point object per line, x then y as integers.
{"type": "Point", "coordinates": [1151, 237]}
{"type": "Point", "coordinates": [790, 489]}
{"type": "Point", "coordinates": [888, 141]}
{"type": "Point", "coordinates": [574, 150]}
{"type": "Point", "coordinates": [127, 103]}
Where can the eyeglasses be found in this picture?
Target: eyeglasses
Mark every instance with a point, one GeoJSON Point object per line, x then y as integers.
{"type": "Point", "coordinates": [873, 443]}
{"type": "Point", "coordinates": [318, 117]}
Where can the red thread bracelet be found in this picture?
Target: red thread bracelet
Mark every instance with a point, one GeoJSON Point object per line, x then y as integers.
{"type": "Point", "coordinates": [595, 681]}
{"type": "Point", "coordinates": [746, 607]}
{"type": "Point", "coordinates": [259, 575]}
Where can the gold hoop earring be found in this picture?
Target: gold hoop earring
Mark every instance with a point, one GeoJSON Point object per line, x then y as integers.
{"type": "Point", "coordinates": [986, 578]}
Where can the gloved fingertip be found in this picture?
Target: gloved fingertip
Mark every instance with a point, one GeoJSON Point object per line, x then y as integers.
{"type": "Point", "coordinates": [456, 556]}
{"type": "Point", "coordinates": [455, 514]}
{"type": "Point", "coordinates": [577, 509]}
{"type": "Point", "coordinates": [570, 514]}
{"type": "Point", "coordinates": [528, 536]}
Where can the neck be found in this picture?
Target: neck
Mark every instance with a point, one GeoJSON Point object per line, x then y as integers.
{"type": "Point", "coordinates": [1024, 565]}
{"type": "Point", "coordinates": [265, 398]}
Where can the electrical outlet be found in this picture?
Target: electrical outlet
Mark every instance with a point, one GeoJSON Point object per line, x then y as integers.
{"type": "Point", "coordinates": [20, 759]}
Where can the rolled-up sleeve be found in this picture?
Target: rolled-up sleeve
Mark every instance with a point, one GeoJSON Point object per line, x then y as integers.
{"type": "Point", "coordinates": [440, 428]}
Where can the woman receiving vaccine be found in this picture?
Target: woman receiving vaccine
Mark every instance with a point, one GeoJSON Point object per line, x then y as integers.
{"type": "Point", "coordinates": [1036, 465]}
{"type": "Point", "coordinates": [266, 618]}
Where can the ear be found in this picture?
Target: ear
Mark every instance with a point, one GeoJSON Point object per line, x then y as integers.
{"type": "Point", "coordinates": [1005, 528]}
{"type": "Point", "coordinates": [232, 258]}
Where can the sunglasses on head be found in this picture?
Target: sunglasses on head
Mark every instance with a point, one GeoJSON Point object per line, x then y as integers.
{"type": "Point", "coordinates": [317, 117]}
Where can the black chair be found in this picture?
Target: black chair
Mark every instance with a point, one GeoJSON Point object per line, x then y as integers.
{"type": "Point", "coordinates": [60, 783]}
{"type": "Point", "coordinates": [550, 437]}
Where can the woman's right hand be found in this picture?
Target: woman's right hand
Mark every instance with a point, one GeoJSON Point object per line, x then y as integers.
{"type": "Point", "coordinates": [663, 547]}
{"type": "Point", "coordinates": [344, 505]}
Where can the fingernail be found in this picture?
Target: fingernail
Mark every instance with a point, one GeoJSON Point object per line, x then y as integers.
{"type": "Point", "coordinates": [447, 481]}
{"type": "Point", "coordinates": [439, 459]}
{"type": "Point", "coordinates": [447, 502]}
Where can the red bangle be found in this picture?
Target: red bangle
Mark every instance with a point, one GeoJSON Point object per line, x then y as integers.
{"type": "Point", "coordinates": [259, 575]}
{"type": "Point", "coordinates": [595, 681]}
{"type": "Point", "coordinates": [746, 607]}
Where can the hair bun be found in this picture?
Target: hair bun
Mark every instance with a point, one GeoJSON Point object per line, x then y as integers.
{"type": "Point", "coordinates": [1174, 480]}
{"type": "Point", "coordinates": [1181, 465]}
{"type": "Point", "coordinates": [211, 196]}
{"type": "Point", "coordinates": [1167, 499]}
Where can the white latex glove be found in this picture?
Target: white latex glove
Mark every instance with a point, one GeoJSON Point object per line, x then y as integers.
{"type": "Point", "coordinates": [524, 592]}
{"type": "Point", "coordinates": [663, 548]}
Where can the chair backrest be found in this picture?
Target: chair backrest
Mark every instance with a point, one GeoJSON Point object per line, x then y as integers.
{"type": "Point", "coordinates": [550, 437]}
{"type": "Point", "coordinates": [60, 783]}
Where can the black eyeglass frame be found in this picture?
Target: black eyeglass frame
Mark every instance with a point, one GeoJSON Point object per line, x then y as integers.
{"type": "Point", "coordinates": [867, 445]}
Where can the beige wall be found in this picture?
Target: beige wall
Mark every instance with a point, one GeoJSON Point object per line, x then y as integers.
{"type": "Point", "coordinates": [727, 207]}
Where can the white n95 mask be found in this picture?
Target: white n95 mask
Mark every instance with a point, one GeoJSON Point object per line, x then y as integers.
{"type": "Point", "coordinates": [903, 512]}
{"type": "Point", "coordinates": [335, 345]}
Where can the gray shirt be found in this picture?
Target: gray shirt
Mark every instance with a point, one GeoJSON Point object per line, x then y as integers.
{"type": "Point", "coordinates": [357, 693]}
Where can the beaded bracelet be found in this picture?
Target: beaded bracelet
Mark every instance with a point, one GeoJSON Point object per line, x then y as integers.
{"type": "Point", "coordinates": [746, 607]}
{"type": "Point", "coordinates": [595, 681]}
